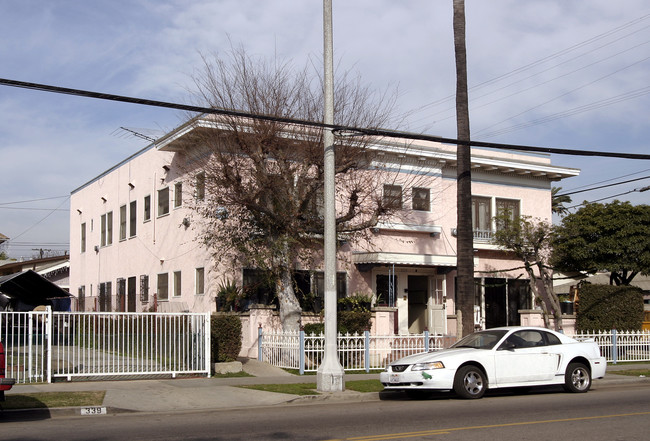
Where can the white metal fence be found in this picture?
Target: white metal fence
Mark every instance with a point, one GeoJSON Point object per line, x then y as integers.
{"type": "Point", "coordinates": [356, 352]}
{"type": "Point", "coordinates": [620, 346]}
{"type": "Point", "coordinates": [42, 345]}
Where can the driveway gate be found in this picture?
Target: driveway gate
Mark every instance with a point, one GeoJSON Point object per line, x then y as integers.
{"type": "Point", "coordinates": [42, 345]}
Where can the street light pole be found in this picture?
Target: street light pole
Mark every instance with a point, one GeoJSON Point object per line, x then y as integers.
{"type": "Point", "coordinates": [330, 372]}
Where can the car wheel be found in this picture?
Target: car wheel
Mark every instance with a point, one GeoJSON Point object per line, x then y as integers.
{"type": "Point", "coordinates": [470, 382]}
{"type": "Point", "coordinates": [577, 378]}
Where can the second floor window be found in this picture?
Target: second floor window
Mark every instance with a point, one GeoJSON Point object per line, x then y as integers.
{"type": "Point", "coordinates": [133, 215]}
{"type": "Point", "coordinates": [106, 233]}
{"type": "Point", "coordinates": [507, 210]}
{"type": "Point", "coordinates": [83, 237]}
{"type": "Point", "coordinates": [392, 196]}
{"type": "Point", "coordinates": [123, 222]}
{"type": "Point", "coordinates": [178, 194]}
{"type": "Point", "coordinates": [482, 217]}
{"type": "Point", "coordinates": [163, 201]}
{"type": "Point", "coordinates": [200, 186]}
{"type": "Point", "coordinates": [147, 208]}
{"type": "Point", "coordinates": [421, 199]}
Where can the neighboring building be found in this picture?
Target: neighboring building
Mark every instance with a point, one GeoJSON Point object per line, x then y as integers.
{"type": "Point", "coordinates": [133, 238]}
{"type": "Point", "coordinates": [56, 269]}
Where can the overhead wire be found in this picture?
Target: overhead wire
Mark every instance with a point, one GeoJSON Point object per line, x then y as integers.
{"type": "Point", "coordinates": [337, 128]}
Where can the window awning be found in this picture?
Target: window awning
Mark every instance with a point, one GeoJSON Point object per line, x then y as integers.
{"type": "Point", "coordinates": [385, 258]}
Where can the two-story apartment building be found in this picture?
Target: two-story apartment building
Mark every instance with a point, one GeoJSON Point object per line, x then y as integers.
{"type": "Point", "coordinates": [134, 238]}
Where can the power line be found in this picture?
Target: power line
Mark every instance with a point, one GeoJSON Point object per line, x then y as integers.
{"type": "Point", "coordinates": [334, 127]}
{"type": "Point", "coordinates": [33, 200]}
{"type": "Point", "coordinates": [604, 186]}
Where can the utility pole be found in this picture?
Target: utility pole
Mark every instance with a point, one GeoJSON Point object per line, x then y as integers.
{"type": "Point", "coordinates": [330, 372]}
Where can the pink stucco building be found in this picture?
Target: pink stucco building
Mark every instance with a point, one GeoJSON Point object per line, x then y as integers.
{"type": "Point", "coordinates": [133, 239]}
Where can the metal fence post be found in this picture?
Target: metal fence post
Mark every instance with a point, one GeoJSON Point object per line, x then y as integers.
{"type": "Point", "coordinates": [208, 342]}
{"type": "Point", "coordinates": [426, 340]}
{"type": "Point", "coordinates": [302, 351]}
{"type": "Point", "coordinates": [259, 343]}
{"type": "Point", "coordinates": [48, 341]}
{"type": "Point", "coordinates": [366, 362]}
{"type": "Point", "coordinates": [614, 349]}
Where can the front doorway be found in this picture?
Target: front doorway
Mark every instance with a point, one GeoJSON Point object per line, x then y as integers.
{"type": "Point", "coordinates": [418, 295]}
{"type": "Point", "coordinates": [503, 300]}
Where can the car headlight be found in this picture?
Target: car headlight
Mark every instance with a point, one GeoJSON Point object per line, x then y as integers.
{"type": "Point", "coordinates": [428, 366]}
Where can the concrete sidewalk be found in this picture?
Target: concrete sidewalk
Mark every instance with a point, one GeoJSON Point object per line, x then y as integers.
{"type": "Point", "coordinates": [168, 395]}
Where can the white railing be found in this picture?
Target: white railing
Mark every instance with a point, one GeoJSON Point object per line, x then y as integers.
{"type": "Point", "coordinates": [622, 346]}
{"type": "Point", "coordinates": [40, 346]}
{"type": "Point", "coordinates": [296, 350]}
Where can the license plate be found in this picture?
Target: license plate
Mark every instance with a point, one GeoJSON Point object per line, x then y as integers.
{"type": "Point", "coordinates": [394, 378]}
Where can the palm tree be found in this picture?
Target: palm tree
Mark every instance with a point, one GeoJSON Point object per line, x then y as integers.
{"type": "Point", "coordinates": [558, 201]}
{"type": "Point", "coordinates": [465, 271]}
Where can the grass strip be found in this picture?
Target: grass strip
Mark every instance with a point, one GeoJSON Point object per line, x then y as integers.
{"type": "Point", "coordinates": [633, 372]}
{"type": "Point", "coordinates": [310, 388]}
{"type": "Point", "coordinates": [43, 400]}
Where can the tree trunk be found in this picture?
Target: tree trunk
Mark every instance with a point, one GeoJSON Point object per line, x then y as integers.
{"type": "Point", "coordinates": [290, 310]}
{"type": "Point", "coordinates": [465, 259]}
{"type": "Point", "coordinates": [532, 280]}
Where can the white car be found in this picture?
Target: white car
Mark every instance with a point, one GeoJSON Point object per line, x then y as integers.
{"type": "Point", "coordinates": [498, 358]}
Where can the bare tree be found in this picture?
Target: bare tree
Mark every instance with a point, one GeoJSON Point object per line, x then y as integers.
{"type": "Point", "coordinates": [465, 274]}
{"type": "Point", "coordinates": [264, 178]}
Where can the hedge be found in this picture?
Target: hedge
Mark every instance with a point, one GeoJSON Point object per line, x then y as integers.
{"type": "Point", "coordinates": [605, 307]}
{"type": "Point", "coordinates": [226, 336]}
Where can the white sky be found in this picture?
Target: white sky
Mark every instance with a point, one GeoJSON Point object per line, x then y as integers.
{"type": "Point", "coordinates": [577, 70]}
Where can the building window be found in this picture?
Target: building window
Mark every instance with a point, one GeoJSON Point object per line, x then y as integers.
{"type": "Point", "coordinates": [421, 199]}
{"type": "Point", "coordinates": [106, 234]}
{"type": "Point", "coordinates": [83, 237]}
{"type": "Point", "coordinates": [177, 284]}
{"type": "Point", "coordinates": [507, 211]}
{"type": "Point", "coordinates": [393, 196]}
{"type": "Point", "coordinates": [163, 286]}
{"type": "Point", "coordinates": [144, 289]}
{"type": "Point", "coordinates": [199, 281]}
{"type": "Point", "coordinates": [133, 216]}
{"type": "Point", "coordinates": [105, 300]}
{"type": "Point", "coordinates": [178, 194]}
{"type": "Point", "coordinates": [123, 222]}
{"type": "Point", "coordinates": [200, 186]}
{"type": "Point", "coordinates": [147, 208]}
{"type": "Point", "coordinates": [163, 201]}
{"type": "Point", "coordinates": [121, 295]}
{"type": "Point", "coordinates": [482, 217]}
{"type": "Point", "coordinates": [81, 300]}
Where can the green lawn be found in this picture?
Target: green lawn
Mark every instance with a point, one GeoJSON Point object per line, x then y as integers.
{"type": "Point", "coordinates": [310, 388]}
{"type": "Point", "coordinates": [53, 399]}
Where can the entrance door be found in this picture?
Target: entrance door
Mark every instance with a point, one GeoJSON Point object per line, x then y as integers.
{"type": "Point", "coordinates": [417, 303]}
{"type": "Point", "coordinates": [130, 301]}
{"type": "Point", "coordinates": [437, 309]}
{"type": "Point", "coordinates": [495, 303]}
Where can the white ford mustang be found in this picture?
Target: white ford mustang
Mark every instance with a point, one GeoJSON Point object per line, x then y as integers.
{"type": "Point", "coordinates": [500, 357]}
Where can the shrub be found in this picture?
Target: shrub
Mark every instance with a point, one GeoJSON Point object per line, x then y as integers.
{"type": "Point", "coordinates": [314, 328]}
{"type": "Point", "coordinates": [354, 322]}
{"type": "Point", "coordinates": [226, 336]}
{"type": "Point", "coordinates": [605, 307]}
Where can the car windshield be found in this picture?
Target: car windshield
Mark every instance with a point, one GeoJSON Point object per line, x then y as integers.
{"type": "Point", "coordinates": [481, 340]}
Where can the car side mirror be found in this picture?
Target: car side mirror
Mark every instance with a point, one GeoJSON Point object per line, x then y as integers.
{"type": "Point", "coordinates": [507, 346]}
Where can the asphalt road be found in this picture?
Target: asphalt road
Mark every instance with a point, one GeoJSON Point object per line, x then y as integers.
{"type": "Point", "coordinates": [606, 413]}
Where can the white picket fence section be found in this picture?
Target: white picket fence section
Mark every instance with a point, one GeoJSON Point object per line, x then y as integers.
{"type": "Point", "coordinates": [42, 345]}
{"type": "Point", "coordinates": [360, 352]}
{"type": "Point", "coordinates": [620, 346]}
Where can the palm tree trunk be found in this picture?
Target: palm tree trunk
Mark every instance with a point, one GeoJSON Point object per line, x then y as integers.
{"type": "Point", "coordinates": [465, 271]}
